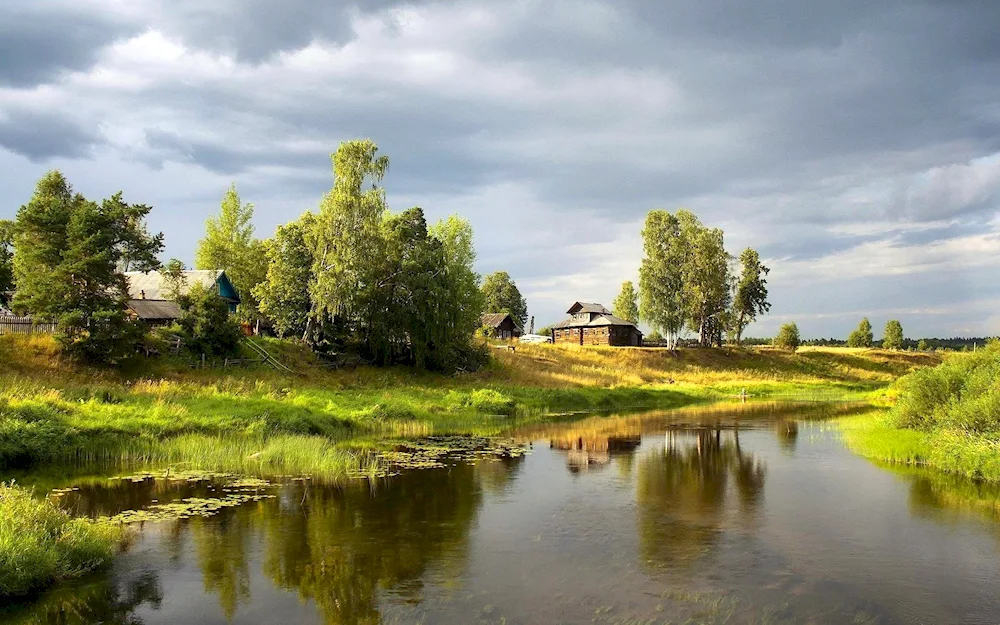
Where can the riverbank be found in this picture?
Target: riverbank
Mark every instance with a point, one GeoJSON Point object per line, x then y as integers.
{"type": "Point", "coordinates": [54, 411]}
{"type": "Point", "coordinates": [41, 545]}
{"type": "Point", "coordinates": [946, 417]}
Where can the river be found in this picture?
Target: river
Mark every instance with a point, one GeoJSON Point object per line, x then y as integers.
{"type": "Point", "coordinates": [726, 515]}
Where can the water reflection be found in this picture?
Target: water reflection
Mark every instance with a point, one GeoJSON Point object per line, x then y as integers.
{"type": "Point", "coordinates": [707, 515]}
{"type": "Point", "coordinates": [687, 489]}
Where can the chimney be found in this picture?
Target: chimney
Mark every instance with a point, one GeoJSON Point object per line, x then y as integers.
{"type": "Point", "coordinates": [142, 294]}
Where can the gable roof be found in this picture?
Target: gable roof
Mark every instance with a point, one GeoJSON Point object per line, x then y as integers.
{"type": "Point", "coordinates": [596, 322]}
{"type": "Point", "coordinates": [579, 307]}
{"type": "Point", "coordinates": [151, 285]}
{"type": "Point", "coordinates": [493, 320]}
{"type": "Point", "coordinates": [155, 309]}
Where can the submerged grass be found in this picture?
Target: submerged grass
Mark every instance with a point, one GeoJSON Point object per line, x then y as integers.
{"type": "Point", "coordinates": [41, 545]}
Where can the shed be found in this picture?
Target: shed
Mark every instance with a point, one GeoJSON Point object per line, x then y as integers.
{"type": "Point", "coordinates": [502, 325]}
{"type": "Point", "coordinates": [155, 312]}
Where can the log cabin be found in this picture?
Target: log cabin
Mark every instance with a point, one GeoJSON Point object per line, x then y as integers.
{"type": "Point", "coordinates": [593, 324]}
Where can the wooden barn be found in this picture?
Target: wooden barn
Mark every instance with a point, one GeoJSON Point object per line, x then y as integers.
{"type": "Point", "coordinates": [502, 325]}
{"type": "Point", "coordinates": [593, 324]}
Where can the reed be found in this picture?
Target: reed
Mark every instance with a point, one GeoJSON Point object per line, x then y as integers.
{"type": "Point", "coordinates": [41, 545]}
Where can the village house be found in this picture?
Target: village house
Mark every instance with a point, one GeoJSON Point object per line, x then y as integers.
{"type": "Point", "coordinates": [593, 324]}
{"type": "Point", "coordinates": [149, 300]}
{"type": "Point", "coordinates": [502, 325]}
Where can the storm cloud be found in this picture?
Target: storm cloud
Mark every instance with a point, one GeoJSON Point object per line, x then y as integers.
{"type": "Point", "coordinates": [855, 144]}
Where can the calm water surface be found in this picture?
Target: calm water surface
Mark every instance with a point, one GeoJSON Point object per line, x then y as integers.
{"type": "Point", "coordinates": [721, 516]}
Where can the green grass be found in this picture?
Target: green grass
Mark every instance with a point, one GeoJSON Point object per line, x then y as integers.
{"type": "Point", "coordinates": [946, 417]}
{"type": "Point", "coordinates": [54, 411]}
{"type": "Point", "coordinates": [41, 545]}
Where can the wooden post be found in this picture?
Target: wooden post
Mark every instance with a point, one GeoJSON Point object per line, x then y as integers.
{"type": "Point", "coordinates": [203, 360]}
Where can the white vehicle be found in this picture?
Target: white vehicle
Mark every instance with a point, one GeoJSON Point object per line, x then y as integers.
{"type": "Point", "coordinates": [535, 338]}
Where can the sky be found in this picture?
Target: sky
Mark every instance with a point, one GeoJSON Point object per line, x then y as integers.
{"type": "Point", "coordinates": [854, 144]}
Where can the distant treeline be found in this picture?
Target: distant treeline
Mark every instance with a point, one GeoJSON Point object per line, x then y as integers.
{"type": "Point", "coordinates": [953, 344]}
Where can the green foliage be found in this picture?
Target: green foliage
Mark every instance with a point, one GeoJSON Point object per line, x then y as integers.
{"type": "Point", "coordinates": [953, 410]}
{"type": "Point", "coordinates": [654, 337]}
{"type": "Point", "coordinates": [41, 545]}
{"type": "Point", "coordinates": [546, 331]}
{"type": "Point", "coordinates": [684, 279]}
{"type": "Point", "coordinates": [206, 324]}
{"type": "Point", "coordinates": [174, 280]}
{"type": "Point", "coordinates": [68, 260]}
{"type": "Point", "coordinates": [788, 337]}
{"type": "Point", "coordinates": [626, 304]}
{"type": "Point", "coordinates": [346, 242]}
{"type": "Point", "coordinates": [750, 298]}
{"type": "Point", "coordinates": [661, 277]}
{"type": "Point", "coordinates": [923, 345]}
{"type": "Point", "coordinates": [284, 296]}
{"type": "Point", "coordinates": [6, 255]}
{"type": "Point", "coordinates": [229, 245]}
{"type": "Point", "coordinates": [501, 295]}
{"type": "Point", "coordinates": [862, 335]}
{"type": "Point", "coordinates": [464, 308]}
{"type": "Point", "coordinates": [893, 336]}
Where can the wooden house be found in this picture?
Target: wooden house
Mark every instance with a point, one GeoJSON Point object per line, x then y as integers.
{"type": "Point", "coordinates": [593, 324]}
{"type": "Point", "coordinates": [150, 301]}
{"type": "Point", "coordinates": [502, 325]}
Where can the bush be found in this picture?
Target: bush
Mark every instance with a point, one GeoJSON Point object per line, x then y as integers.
{"type": "Point", "coordinates": [788, 337]}
{"type": "Point", "coordinates": [207, 325]}
{"type": "Point", "coordinates": [40, 544]}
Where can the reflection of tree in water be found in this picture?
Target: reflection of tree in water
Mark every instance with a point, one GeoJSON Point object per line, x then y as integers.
{"type": "Point", "coordinates": [496, 475]}
{"type": "Point", "coordinates": [104, 601]}
{"type": "Point", "coordinates": [686, 489]}
{"type": "Point", "coordinates": [788, 434]}
{"type": "Point", "coordinates": [221, 545]}
{"type": "Point", "coordinates": [339, 547]}
{"type": "Point", "coordinates": [945, 497]}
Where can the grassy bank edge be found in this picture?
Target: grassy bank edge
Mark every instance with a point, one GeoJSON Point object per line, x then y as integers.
{"type": "Point", "coordinates": [41, 545]}
{"type": "Point", "coordinates": [874, 437]}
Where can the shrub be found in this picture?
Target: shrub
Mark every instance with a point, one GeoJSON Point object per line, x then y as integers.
{"type": "Point", "coordinates": [788, 337]}
{"type": "Point", "coordinates": [207, 324]}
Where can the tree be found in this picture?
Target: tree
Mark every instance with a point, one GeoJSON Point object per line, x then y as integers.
{"type": "Point", "coordinates": [893, 336]}
{"type": "Point", "coordinates": [174, 279]}
{"type": "Point", "coordinates": [862, 335]}
{"type": "Point", "coordinates": [6, 255]}
{"type": "Point", "coordinates": [750, 298]}
{"type": "Point", "coordinates": [788, 337]}
{"type": "Point", "coordinates": [501, 295]}
{"type": "Point", "coordinates": [283, 296]}
{"type": "Point", "coordinates": [661, 277]}
{"type": "Point", "coordinates": [206, 323]}
{"type": "Point", "coordinates": [347, 243]}
{"type": "Point", "coordinates": [625, 305]}
{"type": "Point", "coordinates": [229, 245]}
{"type": "Point", "coordinates": [706, 278]}
{"type": "Point", "coordinates": [462, 282]}
{"type": "Point", "coordinates": [68, 257]}
{"type": "Point", "coordinates": [923, 345]}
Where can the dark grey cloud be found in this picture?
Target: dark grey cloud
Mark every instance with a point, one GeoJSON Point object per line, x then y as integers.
{"type": "Point", "coordinates": [806, 130]}
{"type": "Point", "coordinates": [38, 41]}
{"type": "Point", "coordinates": [40, 136]}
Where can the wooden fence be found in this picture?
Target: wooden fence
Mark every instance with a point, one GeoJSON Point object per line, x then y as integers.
{"type": "Point", "coordinates": [24, 325]}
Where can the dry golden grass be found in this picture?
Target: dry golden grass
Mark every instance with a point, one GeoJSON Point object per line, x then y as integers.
{"type": "Point", "coordinates": [564, 366]}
